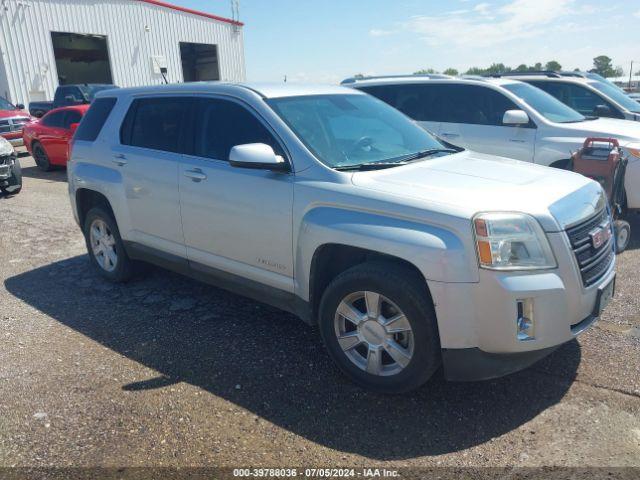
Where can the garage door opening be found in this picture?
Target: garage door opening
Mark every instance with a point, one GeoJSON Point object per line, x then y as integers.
{"type": "Point", "coordinates": [199, 62]}
{"type": "Point", "coordinates": [81, 58]}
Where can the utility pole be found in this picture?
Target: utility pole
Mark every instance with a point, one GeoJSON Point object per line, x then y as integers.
{"type": "Point", "coordinates": [630, 73]}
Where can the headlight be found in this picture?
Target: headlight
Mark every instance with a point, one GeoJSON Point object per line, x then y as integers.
{"type": "Point", "coordinates": [511, 241]}
{"type": "Point", "coordinates": [5, 147]}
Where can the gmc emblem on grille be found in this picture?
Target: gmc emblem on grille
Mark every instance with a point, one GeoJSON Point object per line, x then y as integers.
{"type": "Point", "coordinates": [600, 235]}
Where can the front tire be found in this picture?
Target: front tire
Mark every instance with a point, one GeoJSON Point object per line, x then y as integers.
{"type": "Point", "coordinates": [622, 231]}
{"type": "Point", "coordinates": [105, 246]}
{"type": "Point", "coordinates": [379, 326]}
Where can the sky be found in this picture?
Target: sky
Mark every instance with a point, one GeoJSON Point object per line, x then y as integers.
{"type": "Point", "coordinates": [325, 41]}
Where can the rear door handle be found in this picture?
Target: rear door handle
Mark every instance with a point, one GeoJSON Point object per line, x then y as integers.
{"type": "Point", "coordinates": [195, 175]}
{"type": "Point", "coordinates": [120, 159]}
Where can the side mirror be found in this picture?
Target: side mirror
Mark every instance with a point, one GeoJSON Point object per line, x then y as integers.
{"type": "Point", "coordinates": [258, 156]}
{"type": "Point", "coordinates": [20, 106]}
{"type": "Point", "coordinates": [515, 118]}
{"type": "Point", "coordinates": [602, 111]}
{"type": "Point", "coordinates": [73, 127]}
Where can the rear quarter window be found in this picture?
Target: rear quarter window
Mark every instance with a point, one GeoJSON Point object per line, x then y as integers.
{"type": "Point", "coordinates": [95, 119]}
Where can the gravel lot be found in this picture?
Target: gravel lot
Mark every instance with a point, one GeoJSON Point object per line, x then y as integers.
{"type": "Point", "coordinates": [168, 372]}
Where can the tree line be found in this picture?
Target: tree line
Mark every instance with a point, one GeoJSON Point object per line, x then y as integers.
{"type": "Point", "coordinates": [602, 65]}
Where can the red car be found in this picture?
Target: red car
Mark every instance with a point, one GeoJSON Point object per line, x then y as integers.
{"type": "Point", "coordinates": [12, 118]}
{"type": "Point", "coordinates": [48, 139]}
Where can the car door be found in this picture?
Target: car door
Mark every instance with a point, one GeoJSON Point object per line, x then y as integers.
{"type": "Point", "coordinates": [235, 220]}
{"type": "Point", "coordinates": [472, 118]}
{"type": "Point", "coordinates": [52, 136]}
{"type": "Point", "coordinates": [148, 158]}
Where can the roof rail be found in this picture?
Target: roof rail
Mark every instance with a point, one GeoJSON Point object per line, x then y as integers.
{"type": "Point", "coordinates": [434, 76]}
{"type": "Point", "coordinates": [548, 73]}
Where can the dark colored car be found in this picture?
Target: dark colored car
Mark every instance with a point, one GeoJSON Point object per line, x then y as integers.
{"type": "Point", "coordinates": [68, 95]}
{"type": "Point", "coordinates": [10, 172]}
{"type": "Point", "coordinates": [47, 139]}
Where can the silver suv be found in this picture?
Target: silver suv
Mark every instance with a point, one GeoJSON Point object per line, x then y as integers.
{"type": "Point", "coordinates": [330, 204]}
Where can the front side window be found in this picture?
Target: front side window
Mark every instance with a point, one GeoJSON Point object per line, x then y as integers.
{"type": "Point", "coordinates": [546, 105]}
{"type": "Point", "coordinates": [222, 124]}
{"type": "Point", "coordinates": [54, 119]}
{"type": "Point", "coordinates": [575, 96]}
{"type": "Point", "coordinates": [73, 116]}
{"type": "Point", "coordinates": [617, 95]}
{"type": "Point", "coordinates": [156, 123]}
{"type": "Point", "coordinates": [352, 130]}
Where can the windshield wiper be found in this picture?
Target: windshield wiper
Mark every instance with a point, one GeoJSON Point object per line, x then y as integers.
{"type": "Point", "coordinates": [425, 153]}
{"type": "Point", "coordinates": [368, 166]}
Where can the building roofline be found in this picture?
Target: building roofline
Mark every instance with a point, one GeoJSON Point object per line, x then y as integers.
{"type": "Point", "coordinates": [163, 4]}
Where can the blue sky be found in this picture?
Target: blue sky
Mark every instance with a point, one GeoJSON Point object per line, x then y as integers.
{"type": "Point", "coordinates": [328, 40]}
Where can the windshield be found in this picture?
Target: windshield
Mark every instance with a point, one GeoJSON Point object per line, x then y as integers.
{"type": "Point", "coordinates": [549, 107]}
{"type": "Point", "coordinates": [618, 96]}
{"type": "Point", "coordinates": [5, 105]}
{"type": "Point", "coordinates": [351, 130]}
{"type": "Point", "coordinates": [89, 91]}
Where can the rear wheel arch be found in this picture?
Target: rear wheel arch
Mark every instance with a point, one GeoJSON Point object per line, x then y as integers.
{"type": "Point", "coordinates": [86, 199]}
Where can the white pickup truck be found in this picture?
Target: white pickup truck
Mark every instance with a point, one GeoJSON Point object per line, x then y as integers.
{"type": "Point", "coordinates": [330, 204]}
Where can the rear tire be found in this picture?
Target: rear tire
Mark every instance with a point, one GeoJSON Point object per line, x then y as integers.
{"type": "Point", "coordinates": [41, 158]}
{"type": "Point", "coordinates": [393, 346]}
{"type": "Point", "coordinates": [622, 231]}
{"type": "Point", "coordinates": [105, 247]}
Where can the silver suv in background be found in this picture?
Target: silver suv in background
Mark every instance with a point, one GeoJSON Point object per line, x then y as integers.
{"type": "Point", "coordinates": [506, 117]}
{"type": "Point", "coordinates": [330, 204]}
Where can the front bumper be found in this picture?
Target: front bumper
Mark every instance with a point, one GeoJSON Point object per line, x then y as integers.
{"type": "Point", "coordinates": [478, 321]}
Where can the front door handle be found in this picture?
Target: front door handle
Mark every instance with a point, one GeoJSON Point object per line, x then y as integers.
{"type": "Point", "coordinates": [120, 159]}
{"type": "Point", "coordinates": [451, 135]}
{"type": "Point", "coordinates": [195, 175]}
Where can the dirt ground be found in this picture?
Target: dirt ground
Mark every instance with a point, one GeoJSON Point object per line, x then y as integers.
{"type": "Point", "coordinates": [164, 371]}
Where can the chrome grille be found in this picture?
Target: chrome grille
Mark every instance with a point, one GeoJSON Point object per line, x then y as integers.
{"type": "Point", "coordinates": [593, 262]}
{"type": "Point", "coordinates": [8, 125]}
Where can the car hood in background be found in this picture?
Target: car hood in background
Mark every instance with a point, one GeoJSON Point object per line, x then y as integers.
{"type": "Point", "coordinates": [470, 182]}
{"type": "Point", "coordinates": [13, 114]}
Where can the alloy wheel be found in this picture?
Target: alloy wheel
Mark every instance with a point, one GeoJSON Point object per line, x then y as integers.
{"type": "Point", "coordinates": [103, 245]}
{"type": "Point", "coordinates": [374, 333]}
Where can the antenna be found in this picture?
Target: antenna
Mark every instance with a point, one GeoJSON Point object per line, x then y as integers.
{"type": "Point", "coordinates": [235, 12]}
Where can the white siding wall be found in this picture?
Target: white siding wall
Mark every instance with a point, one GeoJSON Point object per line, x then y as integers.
{"type": "Point", "coordinates": [27, 50]}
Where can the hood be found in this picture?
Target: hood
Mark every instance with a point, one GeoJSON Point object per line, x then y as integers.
{"type": "Point", "coordinates": [626, 131]}
{"type": "Point", "coordinates": [467, 183]}
{"type": "Point", "coordinates": [13, 113]}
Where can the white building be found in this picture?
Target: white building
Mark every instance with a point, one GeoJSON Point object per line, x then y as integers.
{"type": "Point", "coordinates": [46, 43]}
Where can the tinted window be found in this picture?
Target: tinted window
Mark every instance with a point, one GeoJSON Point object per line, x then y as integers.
{"type": "Point", "coordinates": [156, 123]}
{"type": "Point", "coordinates": [223, 124]}
{"type": "Point", "coordinates": [54, 119]}
{"type": "Point", "coordinates": [575, 96]}
{"type": "Point", "coordinates": [419, 102]}
{"type": "Point", "coordinates": [94, 119]}
{"type": "Point", "coordinates": [5, 105]}
{"type": "Point", "coordinates": [546, 105]}
{"type": "Point", "coordinates": [474, 105]}
{"type": "Point", "coordinates": [617, 95]}
{"type": "Point", "coordinates": [74, 94]}
{"type": "Point", "coordinates": [72, 116]}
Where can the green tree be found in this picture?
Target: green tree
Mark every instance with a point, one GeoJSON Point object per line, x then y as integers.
{"type": "Point", "coordinates": [537, 66]}
{"type": "Point", "coordinates": [476, 71]}
{"type": "Point", "coordinates": [553, 65]}
{"type": "Point", "coordinates": [451, 71]}
{"type": "Point", "coordinates": [425, 71]}
{"type": "Point", "coordinates": [603, 66]}
{"type": "Point", "coordinates": [522, 68]}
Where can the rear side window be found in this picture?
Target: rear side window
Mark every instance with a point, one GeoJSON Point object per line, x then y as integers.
{"type": "Point", "coordinates": [156, 123]}
{"type": "Point", "coordinates": [95, 119]}
{"type": "Point", "coordinates": [419, 102]}
{"type": "Point", "coordinates": [54, 119]}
